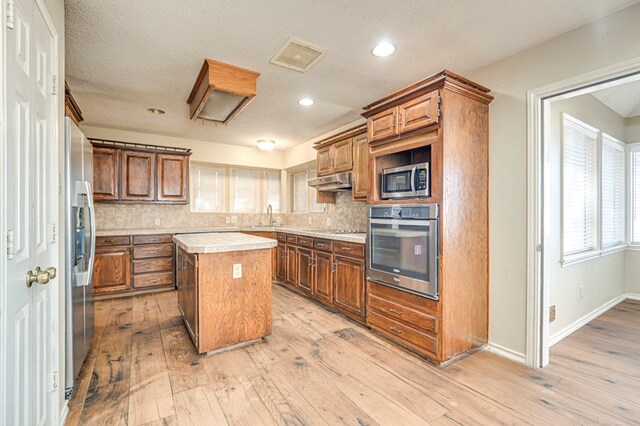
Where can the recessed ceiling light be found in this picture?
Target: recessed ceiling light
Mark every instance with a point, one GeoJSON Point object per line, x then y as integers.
{"type": "Point", "coordinates": [306, 102]}
{"type": "Point", "coordinates": [383, 49]}
{"type": "Point", "coordinates": [266, 144]}
{"type": "Point", "coordinates": [156, 111]}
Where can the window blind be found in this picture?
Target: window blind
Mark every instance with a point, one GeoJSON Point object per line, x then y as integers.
{"type": "Point", "coordinates": [245, 191]}
{"type": "Point", "coordinates": [314, 206]}
{"type": "Point", "coordinates": [272, 191]}
{"type": "Point", "coordinates": [579, 187]}
{"type": "Point", "coordinates": [635, 196]}
{"type": "Point", "coordinates": [613, 192]}
{"type": "Point", "coordinates": [208, 188]}
{"type": "Point", "coordinates": [299, 192]}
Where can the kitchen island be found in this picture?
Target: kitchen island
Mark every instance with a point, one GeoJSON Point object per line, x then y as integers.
{"type": "Point", "coordinates": [224, 288]}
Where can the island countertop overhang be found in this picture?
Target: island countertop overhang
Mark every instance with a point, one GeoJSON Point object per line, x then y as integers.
{"type": "Point", "coordinates": [220, 242]}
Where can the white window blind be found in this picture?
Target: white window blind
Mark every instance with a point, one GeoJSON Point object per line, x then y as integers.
{"type": "Point", "coordinates": [635, 195]}
{"type": "Point", "coordinates": [245, 191]}
{"type": "Point", "coordinates": [272, 191]}
{"type": "Point", "coordinates": [208, 185]}
{"type": "Point", "coordinates": [314, 206]}
{"type": "Point", "coordinates": [299, 193]}
{"type": "Point", "coordinates": [613, 192]}
{"type": "Point", "coordinates": [580, 186]}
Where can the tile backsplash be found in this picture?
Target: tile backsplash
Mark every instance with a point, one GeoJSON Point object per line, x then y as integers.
{"type": "Point", "coordinates": [345, 214]}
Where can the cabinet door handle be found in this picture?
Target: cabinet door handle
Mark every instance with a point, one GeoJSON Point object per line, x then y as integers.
{"type": "Point", "coordinates": [395, 330]}
{"type": "Point", "coordinates": [395, 311]}
{"type": "Point", "coordinates": [393, 120]}
{"type": "Point", "coordinates": [346, 249]}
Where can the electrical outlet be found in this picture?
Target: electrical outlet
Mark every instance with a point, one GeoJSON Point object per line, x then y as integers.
{"type": "Point", "coordinates": [309, 220]}
{"type": "Point", "coordinates": [234, 219]}
{"type": "Point", "coordinates": [328, 221]}
{"type": "Point", "coordinates": [581, 291]}
{"type": "Point", "coordinates": [156, 221]}
{"type": "Point", "coordinates": [552, 313]}
{"type": "Point", "coordinates": [227, 220]}
{"type": "Point", "coordinates": [237, 270]}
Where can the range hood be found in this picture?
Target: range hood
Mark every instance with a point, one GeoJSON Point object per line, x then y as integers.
{"type": "Point", "coordinates": [333, 183]}
{"type": "Point", "coordinates": [221, 91]}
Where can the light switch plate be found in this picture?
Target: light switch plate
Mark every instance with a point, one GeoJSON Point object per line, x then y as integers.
{"type": "Point", "coordinates": [156, 221]}
{"type": "Point", "coordinates": [234, 219]}
{"type": "Point", "coordinates": [237, 270]}
{"type": "Point", "coordinates": [227, 220]}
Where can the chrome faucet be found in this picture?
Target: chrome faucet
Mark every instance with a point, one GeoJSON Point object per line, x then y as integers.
{"type": "Point", "coordinates": [272, 222]}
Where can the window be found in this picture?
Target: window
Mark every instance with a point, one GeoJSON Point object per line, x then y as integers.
{"type": "Point", "coordinates": [635, 194]}
{"type": "Point", "coordinates": [299, 193]}
{"type": "Point", "coordinates": [272, 191]}
{"type": "Point", "coordinates": [208, 185]}
{"type": "Point", "coordinates": [314, 206]}
{"type": "Point", "coordinates": [613, 192]}
{"type": "Point", "coordinates": [217, 189]}
{"type": "Point", "coordinates": [245, 191]}
{"type": "Point", "coordinates": [580, 187]}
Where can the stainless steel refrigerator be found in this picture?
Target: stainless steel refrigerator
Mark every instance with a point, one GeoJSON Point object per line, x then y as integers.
{"type": "Point", "coordinates": [80, 250]}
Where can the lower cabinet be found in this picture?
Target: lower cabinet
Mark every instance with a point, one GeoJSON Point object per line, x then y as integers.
{"type": "Point", "coordinates": [112, 270]}
{"type": "Point", "coordinates": [331, 272]}
{"type": "Point", "coordinates": [348, 282]}
{"type": "Point", "coordinates": [187, 278]}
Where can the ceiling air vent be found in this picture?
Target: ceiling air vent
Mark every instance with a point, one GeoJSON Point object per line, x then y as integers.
{"type": "Point", "coordinates": [297, 55]}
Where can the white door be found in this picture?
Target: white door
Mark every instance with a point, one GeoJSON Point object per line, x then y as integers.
{"type": "Point", "coordinates": [31, 213]}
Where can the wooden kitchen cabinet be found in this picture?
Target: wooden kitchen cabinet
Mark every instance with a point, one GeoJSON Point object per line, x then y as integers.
{"type": "Point", "coordinates": [292, 266]}
{"type": "Point", "coordinates": [172, 173]}
{"type": "Point", "coordinates": [323, 277]}
{"type": "Point", "coordinates": [349, 285]}
{"type": "Point", "coordinates": [281, 262]}
{"type": "Point", "coordinates": [383, 125]}
{"type": "Point", "coordinates": [324, 162]}
{"type": "Point", "coordinates": [360, 168]}
{"type": "Point", "coordinates": [112, 270]}
{"type": "Point", "coordinates": [106, 174]}
{"type": "Point", "coordinates": [187, 275]}
{"type": "Point", "coordinates": [342, 160]}
{"type": "Point", "coordinates": [138, 176]}
{"type": "Point", "coordinates": [137, 173]}
{"type": "Point", "coordinates": [305, 261]}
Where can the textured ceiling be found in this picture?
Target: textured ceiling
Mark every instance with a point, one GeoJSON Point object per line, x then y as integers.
{"type": "Point", "coordinates": [623, 99]}
{"type": "Point", "coordinates": [125, 56]}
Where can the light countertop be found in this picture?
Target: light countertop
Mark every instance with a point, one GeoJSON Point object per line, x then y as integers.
{"type": "Point", "coordinates": [219, 242]}
{"type": "Point", "coordinates": [359, 238]}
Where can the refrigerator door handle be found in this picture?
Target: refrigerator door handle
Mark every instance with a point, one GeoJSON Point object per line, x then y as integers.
{"type": "Point", "coordinates": [92, 218]}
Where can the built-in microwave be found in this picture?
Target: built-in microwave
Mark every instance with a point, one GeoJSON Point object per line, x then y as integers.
{"type": "Point", "coordinates": [411, 181]}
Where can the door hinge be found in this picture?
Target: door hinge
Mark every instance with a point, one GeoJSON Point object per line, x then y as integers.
{"type": "Point", "coordinates": [54, 381]}
{"type": "Point", "coordinates": [10, 14]}
{"type": "Point", "coordinates": [539, 248]}
{"type": "Point", "coordinates": [54, 85]}
{"type": "Point", "coordinates": [10, 251]}
{"type": "Point", "coordinates": [54, 232]}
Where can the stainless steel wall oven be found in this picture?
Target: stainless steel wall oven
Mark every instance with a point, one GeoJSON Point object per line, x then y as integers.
{"type": "Point", "coordinates": [403, 247]}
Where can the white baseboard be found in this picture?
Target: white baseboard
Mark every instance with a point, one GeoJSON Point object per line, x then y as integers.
{"type": "Point", "coordinates": [632, 296]}
{"type": "Point", "coordinates": [506, 353]}
{"type": "Point", "coordinates": [581, 322]}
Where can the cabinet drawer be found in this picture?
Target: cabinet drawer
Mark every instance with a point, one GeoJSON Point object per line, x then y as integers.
{"type": "Point", "coordinates": [305, 241]}
{"type": "Point", "coordinates": [151, 239]}
{"type": "Point", "coordinates": [403, 298]}
{"type": "Point", "coordinates": [404, 314]}
{"type": "Point", "coordinates": [348, 249]}
{"type": "Point", "coordinates": [152, 280]}
{"type": "Point", "coordinates": [160, 250]}
{"type": "Point", "coordinates": [281, 237]}
{"type": "Point", "coordinates": [292, 239]}
{"type": "Point", "coordinates": [322, 245]}
{"type": "Point", "coordinates": [152, 265]}
{"type": "Point", "coordinates": [112, 241]}
{"type": "Point", "coordinates": [402, 333]}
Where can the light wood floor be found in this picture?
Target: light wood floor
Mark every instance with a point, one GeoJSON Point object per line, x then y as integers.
{"type": "Point", "coordinates": [319, 368]}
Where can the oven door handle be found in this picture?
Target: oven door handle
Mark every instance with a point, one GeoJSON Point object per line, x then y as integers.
{"type": "Point", "coordinates": [413, 179]}
{"type": "Point", "coordinates": [422, 222]}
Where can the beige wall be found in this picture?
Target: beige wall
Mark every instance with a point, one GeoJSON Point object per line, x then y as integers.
{"type": "Point", "coordinates": [604, 42]}
{"type": "Point", "coordinates": [207, 152]}
{"type": "Point", "coordinates": [633, 256]}
{"type": "Point", "coordinates": [602, 279]}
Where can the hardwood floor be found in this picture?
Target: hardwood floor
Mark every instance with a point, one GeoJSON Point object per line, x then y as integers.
{"type": "Point", "coordinates": [319, 368]}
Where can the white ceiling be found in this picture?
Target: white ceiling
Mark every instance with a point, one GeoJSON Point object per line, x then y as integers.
{"type": "Point", "coordinates": [623, 99]}
{"type": "Point", "coordinates": [126, 56]}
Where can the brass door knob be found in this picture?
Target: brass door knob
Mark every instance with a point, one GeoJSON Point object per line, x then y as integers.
{"type": "Point", "coordinates": [39, 276]}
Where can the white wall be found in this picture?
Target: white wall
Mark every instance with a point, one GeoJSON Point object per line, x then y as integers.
{"type": "Point", "coordinates": [202, 151]}
{"type": "Point", "coordinates": [601, 43]}
{"type": "Point", "coordinates": [603, 278]}
{"type": "Point", "coordinates": [632, 135]}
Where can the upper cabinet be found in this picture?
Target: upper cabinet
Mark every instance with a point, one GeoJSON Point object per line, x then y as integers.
{"type": "Point", "coordinates": [360, 167]}
{"type": "Point", "coordinates": [335, 157]}
{"type": "Point", "coordinates": [134, 173]}
{"type": "Point", "coordinates": [409, 116]}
